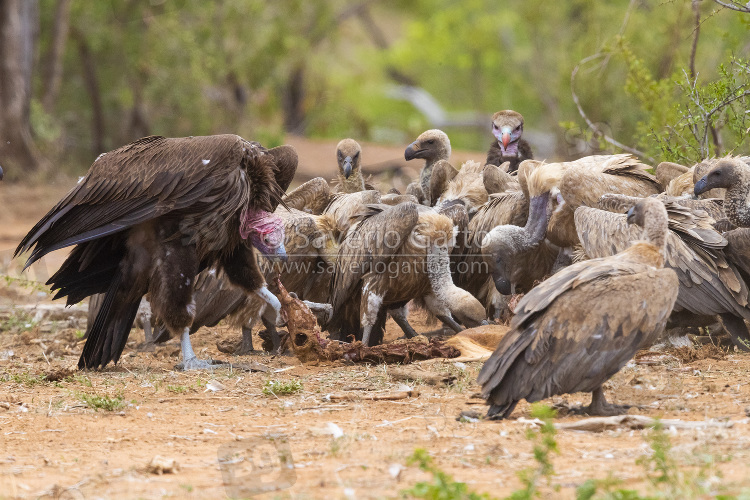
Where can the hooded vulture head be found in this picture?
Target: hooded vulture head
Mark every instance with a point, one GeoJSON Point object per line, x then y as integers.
{"type": "Point", "coordinates": [432, 146]}
{"type": "Point", "coordinates": [348, 155]}
{"type": "Point", "coordinates": [507, 127]}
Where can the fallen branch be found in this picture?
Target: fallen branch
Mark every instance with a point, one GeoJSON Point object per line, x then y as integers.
{"type": "Point", "coordinates": [389, 396]}
{"type": "Point", "coordinates": [635, 422]}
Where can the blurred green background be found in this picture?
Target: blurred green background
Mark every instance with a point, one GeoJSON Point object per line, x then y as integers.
{"type": "Point", "coordinates": [107, 72]}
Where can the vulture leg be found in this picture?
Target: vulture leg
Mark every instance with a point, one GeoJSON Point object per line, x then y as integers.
{"type": "Point", "coordinates": [737, 330]}
{"type": "Point", "coordinates": [246, 345]}
{"type": "Point", "coordinates": [189, 360]}
{"type": "Point", "coordinates": [271, 317]}
{"type": "Point", "coordinates": [600, 407]}
{"type": "Point", "coordinates": [370, 308]}
{"type": "Point", "coordinates": [144, 318]}
{"type": "Point", "coordinates": [450, 322]}
{"type": "Point", "coordinates": [399, 316]}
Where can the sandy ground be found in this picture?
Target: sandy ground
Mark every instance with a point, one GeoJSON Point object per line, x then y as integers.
{"type": "Point", "coordinates": [55, 443]}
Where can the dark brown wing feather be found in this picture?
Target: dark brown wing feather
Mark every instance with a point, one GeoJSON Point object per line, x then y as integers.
{"type": "Point", "coordinates": [374, 240]}
{"type": "Point", "coordinates": [155, 176]}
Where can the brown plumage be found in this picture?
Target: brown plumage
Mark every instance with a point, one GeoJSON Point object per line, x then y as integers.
{"type": "Point", "coordinates": [582, 183]}
{"type": "Point", "coordinates": [394, 255]}
{"type": "Point", "coordinates": [312, 197]}
{"type": "Point", "coordinates": [465, 187]}
{"type": "Point", "coordinates": [149, 216]}
{"type": "Point", "coordinates": [497, 179]}
{"type": "Point", "coordinates": [434, 147]}
{"type": "Point", "coordinates": [507, 127]}
{"type": "Point", "coordinates": [710, 284]}
{"type": "Point", "coordinates": [580, 327]}
{"type": "Point", "coordinates": [666, 171]}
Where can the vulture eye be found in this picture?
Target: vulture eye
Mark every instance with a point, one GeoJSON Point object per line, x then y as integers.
{"type": "Point", "coordinates": [431, 141]}
{"type": "Point", "coordinates": [266, 240]}
{"type": "Point", "coordinates": [357, 155]}
{"type": "Point", "coordinates": [494, 126]}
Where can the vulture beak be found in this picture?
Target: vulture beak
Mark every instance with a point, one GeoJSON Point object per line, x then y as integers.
{"type": "Point", "coordinates": [505, 136]}
{"type": "Point", "coordinates": [278, 254]}
{"type": "Point", "coordinates": [347, 166]}
{"type": "Point", "coordinates": [700, 187]}
{"type": "Point", "coordinates": [412, 151]}
{"type": "Point", "coordinates": [631, 215]}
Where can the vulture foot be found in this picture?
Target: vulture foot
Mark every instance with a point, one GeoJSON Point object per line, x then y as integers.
{"type": "Point", "coordinates": [601, 408]}
{"type": "Point", "coordinates": [736, 329]}
{"type": "Point", "coordinates": [199, 364]}
{"type": "Point", "coordinates": [447, 320]}
{"type": "Point", "coordinates": [146, 347]}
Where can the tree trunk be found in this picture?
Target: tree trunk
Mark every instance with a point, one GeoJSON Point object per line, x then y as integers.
{"type": "Point", "coordinates": [292, 100]}
{"type": "Point", "coordinates": [53, 68]}
{"type": "Point", "coordinates": [19, 24]}
{"type": "Point", "coordinates": [88, 66]}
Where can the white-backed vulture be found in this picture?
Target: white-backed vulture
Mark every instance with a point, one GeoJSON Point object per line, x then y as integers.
{"type": "Point", "coordinates": [389, 258]}
{"type": "Point", "coordinates": [434, 147]}
{"type": "Point", "coordinates": [507, 127]}
{"type": "Point", "coordinates": [710, 284]}
{"type": "Point", "coordinates": [577, 329]}
{"type": "Point", "coordinates": [149, 216]}
{"type": "Point", "coordinates": [582, 183]}
{"type": "Point", "coordinates": [349, 178]}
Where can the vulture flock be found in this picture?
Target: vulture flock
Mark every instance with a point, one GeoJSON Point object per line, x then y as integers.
{"type": "Point", "coordinates": [182, 233]}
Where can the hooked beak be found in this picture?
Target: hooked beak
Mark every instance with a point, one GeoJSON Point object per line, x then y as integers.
{"type": "Point", "coordinates": [631, 214]}
{"type": "Point", "coordinates": [506, 139]}
{"type": "Point", "coordinates": [503, 286]}
{"type": "Point", "coordinates": [277, 254]}
{"type": "Point", "coordinates": [412, 151]}
{"type": "Point", "coordinates": [701, 186]}
{"type": "Point", "coordinates": [347, 166]}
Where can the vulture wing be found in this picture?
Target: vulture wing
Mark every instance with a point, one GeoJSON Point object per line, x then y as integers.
{"type": "Point", "coordinates": [709, 284]}
{"type": "Point", "coordinates": [313, 196]}
{"type": "Point", "coordinates": [155, 176]}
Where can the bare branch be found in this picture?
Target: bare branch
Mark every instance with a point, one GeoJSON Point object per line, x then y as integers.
{"type": "Point", "coordinates": [591, 124]}
{"type": "Point", "coordinates": [736, 6]}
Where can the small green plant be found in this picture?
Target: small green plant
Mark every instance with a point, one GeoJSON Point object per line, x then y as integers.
{"type": "Point", "coordinates": [177, 389]}
{"type": "Point", "coordinates": [18, 321]}
{"type": "Point", "coordinates": [442, 486]}
{"type": "Point", "coordinates": [27, 379]}
{"type": "Point", "coordinates": [79, 334]}
{"type": "Point", "coordinates": [102, 402]}
{"type": "Point", "coordinates": [282, 388]}
{"type": "Point", "coordinates": [544, 445]}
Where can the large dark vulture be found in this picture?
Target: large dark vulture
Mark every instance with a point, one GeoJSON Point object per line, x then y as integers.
{"type": "Point", "coordinates": [149, 216]}
{"type": "Point", "coordinates": [577, 329]}
{"type": "Point", "coordinates": [507, 127]}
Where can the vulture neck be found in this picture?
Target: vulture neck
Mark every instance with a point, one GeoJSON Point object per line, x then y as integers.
{"type": "Point", "coordinates": [439, 274]}
{"type": "Point", "coordinates": [539, 216]}
{"type": "Point", "coordinates": [354, 184]}
{"type": "Point", "coordinates": [737, 203]}
{"type": "Point", "coordinates": [655, 228]}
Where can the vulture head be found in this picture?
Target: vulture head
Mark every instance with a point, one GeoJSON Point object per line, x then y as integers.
{"type": "Point", "coordinates": [500, 248]}
{"type": "Point", "coordinates": [265, 231]}
{"type": "Point", "coordinates": [727, 173]}
{"type": "Point", "coordinates": [507, 127]}
{"type": "Point", "coordinates": [348, 155]}
{"type": "Point", "coordinates": [432, 146]}
{"type": "Point", "coordinates": [651, 215]}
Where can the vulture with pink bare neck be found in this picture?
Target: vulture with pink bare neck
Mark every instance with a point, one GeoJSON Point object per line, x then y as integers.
{"type": "Point", "coordinates": [149, 216]}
